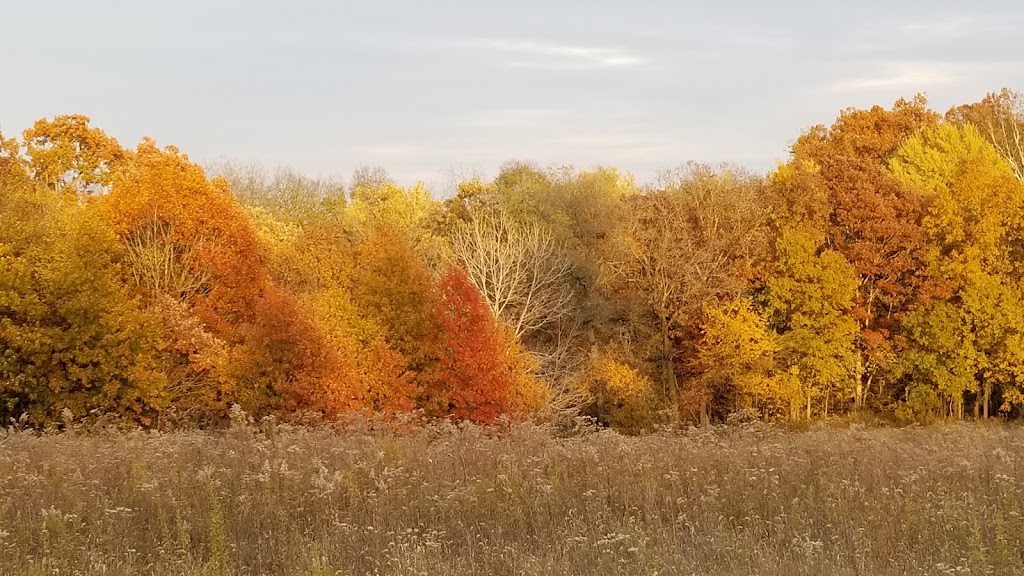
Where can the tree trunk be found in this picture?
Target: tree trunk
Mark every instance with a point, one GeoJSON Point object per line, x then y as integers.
{"type": "Point", "coordinates": [808, 404]}
{"type": "Point", "coordinates": [987, 384]}
{"type": "Point", "coordinates": [859, 374]}
{"type": "Point", "coordinates": [670, 372]}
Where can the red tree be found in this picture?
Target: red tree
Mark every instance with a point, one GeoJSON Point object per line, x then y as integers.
{"type": "Point", "coordinates": [471, 379]}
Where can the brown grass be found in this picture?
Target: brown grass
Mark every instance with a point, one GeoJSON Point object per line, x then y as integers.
{"type": "Point", "coordinates": [465, 500]}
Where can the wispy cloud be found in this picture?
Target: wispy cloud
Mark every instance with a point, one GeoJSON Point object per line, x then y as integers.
{"type": "Point", "coordinates": [545, 55]}
{"type": "Point", "coordinates": [902, 75]}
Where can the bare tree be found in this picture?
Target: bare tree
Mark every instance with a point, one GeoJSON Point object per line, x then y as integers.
{"type": "Point", "coordinates": [519, 267]}
{"type": "Point", "coordinates": [282, 191]}
{"type": "Point", "coordinates": [1005, 132]}
{"type": "Point", "coordinates": [523, 273]}
{"type": "Point", "coordinates": [164, 266]}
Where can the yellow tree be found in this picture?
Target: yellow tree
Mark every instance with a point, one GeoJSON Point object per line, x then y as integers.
{"type": "Point", "coordinates": [735, 359]}
{"type": "Point", "coordinates": [73, 336]}
{"type": "Point", "coordinates": [67, 154]}
{"type": "Point", "coordinates": [616, 393]}
{"type": "Point", "coordinates": [974, 221]}
{"type": "Point", "coordinates": [12, 166]}
{"type": "Point", "coordinates": [809, 293]}
{"type": "Point", "coordinates": [387, 205]}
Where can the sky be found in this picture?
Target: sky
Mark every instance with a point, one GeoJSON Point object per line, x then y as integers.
{"type": "Point", "coordinates": [442, 89]}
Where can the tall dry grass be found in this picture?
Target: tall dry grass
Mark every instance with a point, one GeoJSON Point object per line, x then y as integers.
{"type": "Point", "coordinates": [467, 500]}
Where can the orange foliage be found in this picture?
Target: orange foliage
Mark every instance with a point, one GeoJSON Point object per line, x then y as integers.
{"type": "Point", "coordinates": [163, 291]}
{"type": "Point", "coordinates": [281, 359]}
{"type": "Point", "coordinates": [367, 375]}
{"type": "Point", "coordinates": [163, 185]}
{"type": "Point", "coordinates": [277, 357]}
{"type": "Point", "coordinates": [876, 133]}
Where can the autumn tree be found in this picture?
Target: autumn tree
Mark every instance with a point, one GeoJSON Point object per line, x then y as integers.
{"type": "Point", "coordinates": [404, 210]}
{"type": "Point", "coordinates": [189, 239]}
{"type": "Point", "coordinates": [735, 359]}
{"type": "Point", "coordinates": [370, 375]}
{"type": "Point", "coordinates": [874, 134]}
{"type": "Point", "coordinates": [692, 241]}
{"type": "Point", "coordinates": [974, 223]}
{"type": "Point", "coordinates": [999, 117]}
{"type": "Point", "coordinates": [471, 379]}
{"type": "Point", "coordinates": [809, 294]}
{"type": "Point", "coordinates": [876, 226]}
{"type": "Point", "coordinates": [66, 154]}
{"type": "Point", "coordinates": [618, 394]}
{"type": "Point", "coordinates": [13, 171]}
{"type": "Point", "coordinates": [72, 336]}
{"type": "Point", "coordinates": [838, 187]}
{"type": "Point", "coordinates": [394, 288]}
{"type": "Point", "coordinates": [161, 188]}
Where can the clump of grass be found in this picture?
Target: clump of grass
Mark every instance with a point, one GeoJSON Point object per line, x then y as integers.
{"type": "Point", "coordinates": [446, 499]}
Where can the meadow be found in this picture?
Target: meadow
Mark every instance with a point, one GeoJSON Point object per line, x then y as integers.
{"type": "Point", "coordinates": [267, 498]}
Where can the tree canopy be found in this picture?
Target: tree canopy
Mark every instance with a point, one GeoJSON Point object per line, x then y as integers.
{"type": "Point", "coordinates": [878, 268]}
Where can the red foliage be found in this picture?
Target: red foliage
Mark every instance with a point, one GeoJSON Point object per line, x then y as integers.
{"type": "Point", "coordinates": [471, 373]}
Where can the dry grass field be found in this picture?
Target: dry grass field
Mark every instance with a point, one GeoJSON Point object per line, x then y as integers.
{"type": "Point", "coordinates": [752, 499]}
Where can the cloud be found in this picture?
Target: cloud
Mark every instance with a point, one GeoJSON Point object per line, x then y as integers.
{"type": "Point", "coordinates": [543, 55]}
{"type": "Point", "coordinates": [902, 75]}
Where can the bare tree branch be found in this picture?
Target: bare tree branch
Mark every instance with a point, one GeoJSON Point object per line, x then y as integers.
{"type": "Point", "coordinates": [521, 270]}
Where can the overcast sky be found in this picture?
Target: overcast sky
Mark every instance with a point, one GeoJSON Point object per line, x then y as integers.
{"type": "Point", "coordinates": [430, 88]}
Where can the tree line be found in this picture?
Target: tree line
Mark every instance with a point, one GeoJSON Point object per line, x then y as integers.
{"type": "Point", "coordinates": [880, 268]}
